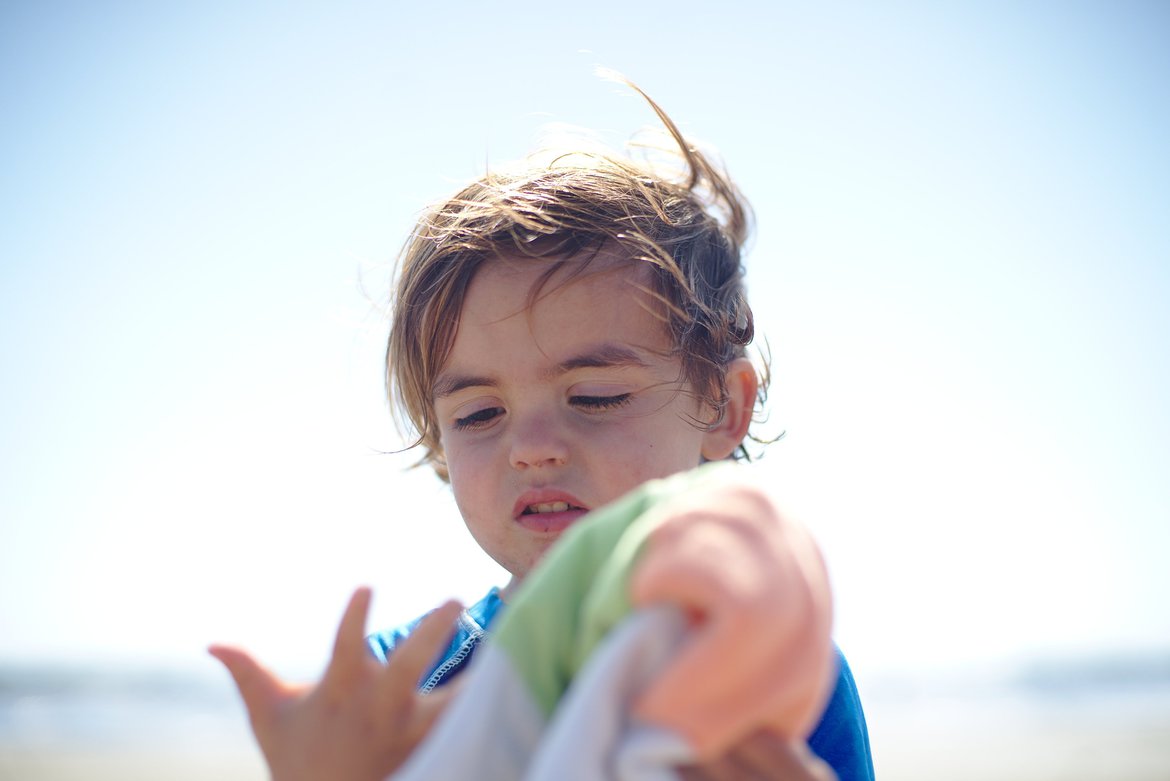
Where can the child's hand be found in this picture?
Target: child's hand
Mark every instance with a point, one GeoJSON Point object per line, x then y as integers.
{"type": "Point", "coordinates": [362, 720]}
{"type": "Point", "coordinates": [755, 585]}
{"type": "Point", "coordinates": [764, 755]}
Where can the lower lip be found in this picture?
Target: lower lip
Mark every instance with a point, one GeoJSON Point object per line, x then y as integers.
{"type": "Point", "coordinates": [551, 523]}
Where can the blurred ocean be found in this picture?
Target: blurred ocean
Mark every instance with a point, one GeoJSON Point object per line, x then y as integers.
{"type": "Point", "coordinates": [53, 707]}
{"type": "Point", "coordinates": [1092, 719]}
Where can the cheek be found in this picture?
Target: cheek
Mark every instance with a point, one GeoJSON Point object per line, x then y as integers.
{"type": "Point", "coordinates": [462, 472]}
{"type": "Point", "coordinates": [473, 464]}
{"type": "Point", "coordinates": [649, 455]}
{"type": "Point", "coordinates": [461, 456]}
{"type": "Point", "coordinates": [473, 505]}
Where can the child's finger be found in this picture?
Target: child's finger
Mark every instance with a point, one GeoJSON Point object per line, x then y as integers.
{"type": "Point", "coordinates": [780, 685]}
{"type": "Point", "coordinates": [770, 755]}
{"type": "Point", "coordinates": [349, 652]}
{"type": "Point", "coordinates": [432, 706]}
{"type": "Point", "coordinates": [414, 656]}
{"type": "Point", "coordinates": [706, 704]}
{"type": "Point", "coordinates": [762, 653]}
{"type": "Point", "coordinates": [720, 769]}
{"type": "Point", "coordinates": [259, 688]}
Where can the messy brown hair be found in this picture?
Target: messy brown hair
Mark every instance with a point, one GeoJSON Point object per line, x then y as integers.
{"type": "Point", "coordinates": [689, 228]}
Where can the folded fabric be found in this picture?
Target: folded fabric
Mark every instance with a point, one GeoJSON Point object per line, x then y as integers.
{"type": "Point", "coordinates": [555, 690]}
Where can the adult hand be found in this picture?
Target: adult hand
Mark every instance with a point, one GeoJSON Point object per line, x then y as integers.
{"type": "Point", "coordinates": [362, 720]}
{"type": "Point", "coordinates": [763, 756]}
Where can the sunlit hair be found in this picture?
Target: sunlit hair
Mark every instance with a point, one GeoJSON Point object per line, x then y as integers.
{"type": "Point", "coordinates": [688, 225]}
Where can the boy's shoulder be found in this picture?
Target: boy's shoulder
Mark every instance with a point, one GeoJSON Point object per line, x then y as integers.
{"type": "Point", "coordinates": [841, 737]}
{"type": "Point", "coordinates": [471, 627]}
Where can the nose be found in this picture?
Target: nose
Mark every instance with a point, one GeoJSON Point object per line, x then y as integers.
{"type": "Point", "coordinates": [537, 442]}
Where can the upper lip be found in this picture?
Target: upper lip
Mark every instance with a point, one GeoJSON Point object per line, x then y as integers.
{"type": "Point", "coordinates": [545, 496]}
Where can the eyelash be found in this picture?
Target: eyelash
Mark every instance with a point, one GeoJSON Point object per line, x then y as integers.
{"type": "Point", "coordinates": [482, 417]}
{"type": "Point", "coordinates": [478, 418]}
{"type": "Point", "coordinates": [601, 402]}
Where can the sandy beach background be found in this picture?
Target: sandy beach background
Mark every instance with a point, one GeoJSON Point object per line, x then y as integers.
{"type": "Point", "coordinates": [1103, 723]}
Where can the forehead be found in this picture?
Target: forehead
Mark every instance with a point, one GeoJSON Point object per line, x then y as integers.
{"type": "Point", "coordinates": [512, 285]}
{"type": "Point", "coordinates": [514, 304]}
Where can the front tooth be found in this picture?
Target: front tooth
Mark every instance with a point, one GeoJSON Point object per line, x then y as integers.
{"type": "Point", "coordinates": [551, 507]}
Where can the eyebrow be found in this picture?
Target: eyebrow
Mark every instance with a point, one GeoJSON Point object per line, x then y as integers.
{"type": "Point", "coordinates": [447, 385]}
{"type": "Point", "coordinates": [603, 356]}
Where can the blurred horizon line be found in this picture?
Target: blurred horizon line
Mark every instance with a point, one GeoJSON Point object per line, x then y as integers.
{"type": "Point", "coordinates": [1051, 674]}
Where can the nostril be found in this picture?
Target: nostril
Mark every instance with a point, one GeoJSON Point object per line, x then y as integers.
{"type": "Point", "coordinates": [537, 463]}
{"type": "Point", "coordinates": [538, 453]}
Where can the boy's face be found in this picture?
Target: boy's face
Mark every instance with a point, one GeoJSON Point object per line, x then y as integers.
{"type": "Point", "coordinates": [546, 413]}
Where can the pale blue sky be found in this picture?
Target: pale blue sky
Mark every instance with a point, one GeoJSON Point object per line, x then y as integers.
{"type": "Point", "coordinates": [962, 266]}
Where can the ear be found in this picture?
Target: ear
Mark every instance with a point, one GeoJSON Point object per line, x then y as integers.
{"type": "Point", "coordinates": [742, 383]}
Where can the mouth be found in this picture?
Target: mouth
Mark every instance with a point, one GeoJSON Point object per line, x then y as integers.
{"type": "Point", "coordinates": [548, 511]}
{"type": "Point", "coordinates": [549, 507]}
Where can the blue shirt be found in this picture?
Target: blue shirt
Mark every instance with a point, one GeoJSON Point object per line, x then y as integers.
{"type": "Point", "coordinates": [840, 738]}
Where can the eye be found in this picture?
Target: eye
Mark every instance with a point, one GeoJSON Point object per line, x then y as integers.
{"type": "Point", "coordinates": [479, 418]}
{"type": "Point", "coordinates": [601, 402]}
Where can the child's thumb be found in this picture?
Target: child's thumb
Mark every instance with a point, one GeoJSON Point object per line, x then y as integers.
{"type": "Point", "coordinates": [258, 687]}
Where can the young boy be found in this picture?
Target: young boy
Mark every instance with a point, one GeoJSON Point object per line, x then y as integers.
{"type": "Point", "coordinates": [561, 335]}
